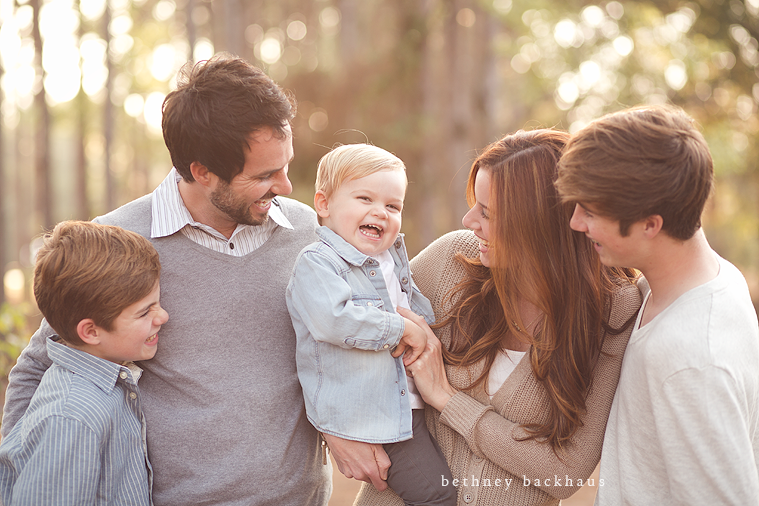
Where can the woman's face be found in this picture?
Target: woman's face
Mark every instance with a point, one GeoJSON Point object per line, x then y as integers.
{"type": "Point", "coordinates": [478, 217]}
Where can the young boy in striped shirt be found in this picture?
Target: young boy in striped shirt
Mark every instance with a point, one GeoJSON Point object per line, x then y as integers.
{"type": "Point", "coordinates": [82, 439]}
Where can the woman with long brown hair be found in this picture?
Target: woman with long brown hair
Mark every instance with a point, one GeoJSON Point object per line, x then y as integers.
{"type": "Point", "coordinates": [533, 332]}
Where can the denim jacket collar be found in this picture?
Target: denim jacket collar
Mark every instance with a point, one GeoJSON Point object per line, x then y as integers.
{"type": "Point", "coordinates": [346, 251]}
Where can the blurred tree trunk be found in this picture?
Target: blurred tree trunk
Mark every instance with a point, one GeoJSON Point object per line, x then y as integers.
{"type": "Point", "coordinates": [110, 190]}
{"type": "Point", "coordinates": [3, 200]}
{"type": "Point", "coordinates": [432, 106]}
{"type": "Point", "coordinates": [459, 120]}
{"type": "Point", "coordinates": [190, 27]}
{"type": "Point", "coordinates": [82, 208]}
{"type": "Point", "coordinates": [42, 137]}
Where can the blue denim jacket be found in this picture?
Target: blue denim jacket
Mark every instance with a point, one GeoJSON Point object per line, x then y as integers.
{"type": "Point", "coordinates": [346, 328]}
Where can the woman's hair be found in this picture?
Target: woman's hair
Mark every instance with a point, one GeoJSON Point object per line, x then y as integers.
{"type": "Point", "coordinates": [535, 257]}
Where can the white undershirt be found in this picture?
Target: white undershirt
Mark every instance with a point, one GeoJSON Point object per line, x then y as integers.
{"type": "Point", "coordinates": [505, 363]}
{"type": "Point", "coordinates": [398, 298]}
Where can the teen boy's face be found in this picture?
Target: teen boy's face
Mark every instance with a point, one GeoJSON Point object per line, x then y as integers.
{"type": "Point", "coordinates": [366, 212]}
{"type": "Point", "coordinates": [135, 331]}
{"type": "Point", "coordinates": [614, 249]}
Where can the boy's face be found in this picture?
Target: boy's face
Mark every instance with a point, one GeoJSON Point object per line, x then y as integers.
{"type": "Point", "coordinates": [366, 212]}
{"type": "Point", "coordinates": [135, 331]}
{"type": "Point", "coordinates": [614, 249]}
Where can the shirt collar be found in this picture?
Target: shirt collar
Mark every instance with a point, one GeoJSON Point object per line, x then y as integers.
{"type": "Point", "coordinates": [348, 252]}
{"type": "Point", "coordinates": [103, 373]}
{"type": "Point", "coordinates": [171, 215]}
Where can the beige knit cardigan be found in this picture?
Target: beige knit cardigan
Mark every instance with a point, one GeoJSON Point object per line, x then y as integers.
{"type": "Point", "coordinates": [480, 437]}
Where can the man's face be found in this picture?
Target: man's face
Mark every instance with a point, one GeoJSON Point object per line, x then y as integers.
{"type": "Point", "coordinates": [247, 198]}
{"type": "Point", "coordinates": [614, 249]}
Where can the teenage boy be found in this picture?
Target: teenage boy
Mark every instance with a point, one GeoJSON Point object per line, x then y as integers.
{"type": "Point", "coordinates": [82, 439]}
{"type": "Point", "coordinates": [222, 399]}
{"type": "Point", "coordinates": [684, 424]}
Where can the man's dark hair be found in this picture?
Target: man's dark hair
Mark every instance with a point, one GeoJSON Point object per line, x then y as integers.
{"type": "Point", "coordinates": [217, 105]}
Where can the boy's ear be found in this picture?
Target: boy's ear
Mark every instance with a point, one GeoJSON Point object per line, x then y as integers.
{"type": "Point", "coordinates": [652, 225]}
{"type": "Point", "coordinates": [201, 174]}
{"type": "Point", "coordinates": [88, 331]}
{"type": "Point", "coordinates": [321, 204]}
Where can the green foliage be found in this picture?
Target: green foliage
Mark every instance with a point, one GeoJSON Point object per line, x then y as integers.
{"type": "Point", "coordinates": [14, 336]}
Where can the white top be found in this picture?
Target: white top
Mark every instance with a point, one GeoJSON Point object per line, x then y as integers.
{"type": "Point", "coordinates": [505, 363]}
{"type": "Point", "coordinates": [684, 424]}
{"type": "Point", "coordinates": [398, 298]}
{"type": "Point", "coordinates": [171, 215]}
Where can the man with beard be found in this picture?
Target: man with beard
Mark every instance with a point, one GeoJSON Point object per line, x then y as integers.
{"type": "Point", "coordinates": [222, 402]}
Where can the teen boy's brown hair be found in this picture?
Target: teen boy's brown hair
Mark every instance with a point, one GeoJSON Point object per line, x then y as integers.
{"type": "Point", "coordinates": [640, 162]}
{"type": "Point", "coordinates": [86, 270]}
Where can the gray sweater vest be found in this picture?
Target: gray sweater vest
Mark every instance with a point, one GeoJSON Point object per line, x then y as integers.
{"type": "Point", "coordinates": [226, 423]}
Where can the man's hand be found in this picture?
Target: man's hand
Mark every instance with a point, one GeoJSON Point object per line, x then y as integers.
{"type": "Point", "coordinates": [361, 461]}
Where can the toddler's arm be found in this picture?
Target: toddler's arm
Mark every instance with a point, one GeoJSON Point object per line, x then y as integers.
{"type": "Point", "coordinates": [322, 302]}
{"type": "Point", "coordinates": [412, 343]}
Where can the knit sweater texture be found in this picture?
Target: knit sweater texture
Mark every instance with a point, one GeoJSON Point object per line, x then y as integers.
{"type": "Point", "coordinates": [480, 437]}
{"type": "Point", "coordinates": [226, 423]}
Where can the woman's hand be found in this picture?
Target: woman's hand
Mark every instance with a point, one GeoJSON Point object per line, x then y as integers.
{"type": "Point", "coordinates": [428, 370]}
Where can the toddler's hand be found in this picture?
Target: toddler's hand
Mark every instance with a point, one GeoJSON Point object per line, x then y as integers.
{"type": "Point", "coordinates": [412, 342]}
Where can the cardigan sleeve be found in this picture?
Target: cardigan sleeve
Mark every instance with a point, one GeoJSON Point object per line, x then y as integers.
{"type": "Point", "coordinates": [495, 432]}
{"type": "Point", "coordinates": [492, 429]}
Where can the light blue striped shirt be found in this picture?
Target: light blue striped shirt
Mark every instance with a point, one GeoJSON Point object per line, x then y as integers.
{"type": "Point", "coordinates": [170, 215]}
{"type": "Point", "coordinates": [82, 439]}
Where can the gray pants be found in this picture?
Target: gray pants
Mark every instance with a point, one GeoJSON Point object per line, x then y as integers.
{"type": "Point", "coordinates": [418, 467]}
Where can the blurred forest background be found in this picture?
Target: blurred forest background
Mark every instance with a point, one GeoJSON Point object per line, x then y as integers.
{"type": "Point", "coordinates": [433, 81]}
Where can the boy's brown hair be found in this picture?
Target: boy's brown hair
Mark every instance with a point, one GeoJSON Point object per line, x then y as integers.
{"type": "Point", "coordinates": [640, 162]}
{"type": "Point", "coordinates": [87, 270]}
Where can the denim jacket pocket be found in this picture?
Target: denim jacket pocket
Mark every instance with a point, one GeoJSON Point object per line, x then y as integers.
{"type": "Point", "coordinates": [367, 301]}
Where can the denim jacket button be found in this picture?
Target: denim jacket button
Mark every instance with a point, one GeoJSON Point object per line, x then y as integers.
{"type": "Point", "coordinates": [403, 392]}
{"type": "Point", "coordinates": [372, 273]}
{"type": "Point", "coordinates": [386, 346]}
{"type": "Point", "coordinates": [398, 243]}
{"type": "Point", "coordinates": [404, 280]}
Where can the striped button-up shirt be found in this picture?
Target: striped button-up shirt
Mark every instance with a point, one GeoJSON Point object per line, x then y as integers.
{"type": "Point", "coordinates": [171, 215]}
{"type": "Point", "coordinates": [82, 439]}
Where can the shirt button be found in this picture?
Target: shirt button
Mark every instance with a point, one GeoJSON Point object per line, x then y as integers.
{"type": "Point", "coordinates": [231, 246]}
{"type": "Point", "coordinates": [372, 273]}
{"type": "Point", "coordinates": [398, 243]}
{"type": "Point", "coordinates": [477, 458]}
{"type": "Point", "coordinates": [369, 303]}
{"type": "Point", "coordinates": [386, 346]}
{"type": "Point", "coordinates": [403, 392]}
{"type": "Point", "coordinates": [468, 498]}
{"type": "Point", "coordinates": [123, 375]}
{"type": "Point", "coordinates": [404, 280]}
{"type": "Point", "coordinates": [132, 395]}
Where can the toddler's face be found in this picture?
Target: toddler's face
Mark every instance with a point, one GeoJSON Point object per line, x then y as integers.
{"type": "Point", "coordinates": [366, 212]}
